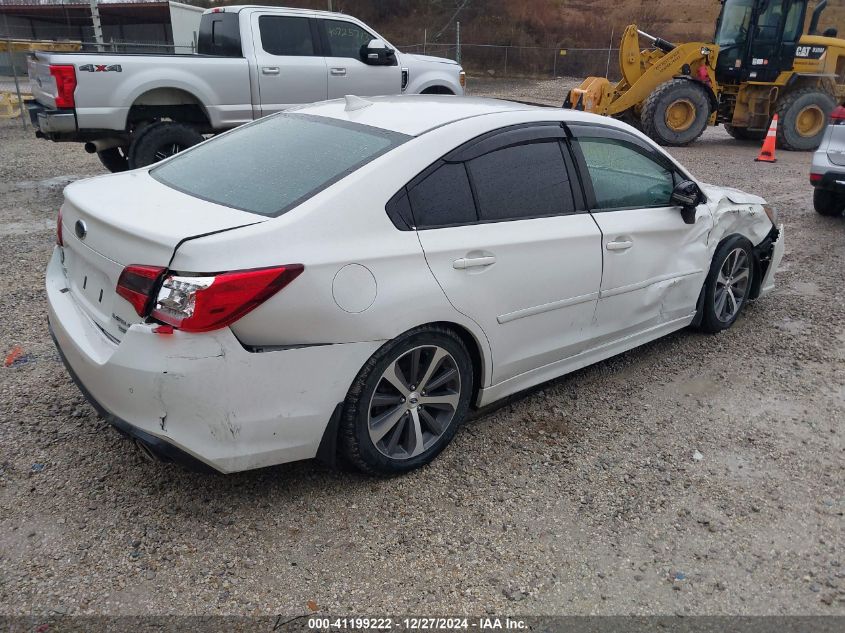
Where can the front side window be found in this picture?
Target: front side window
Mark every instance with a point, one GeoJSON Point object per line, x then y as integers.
{"type": "Point", "coordinates": [345, 38]}
{"type": "Point", "coordinates": [275, 164]}
{"type": "Point", "coordinates": [623, 177]}
{"type": "Point", "coordinates": [286, 36]}
{"type": "Point", "coordinates": [524, 181]}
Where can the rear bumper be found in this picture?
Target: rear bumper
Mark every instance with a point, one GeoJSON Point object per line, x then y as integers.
{"type": "Point", "coordinates": [51, 123]}
{"type": "Point", "coordinates": [160, 448]}
{"type": "Point", "coordinates": [831, 181]}
{"type": "Point", "coordinates": [203, 397]}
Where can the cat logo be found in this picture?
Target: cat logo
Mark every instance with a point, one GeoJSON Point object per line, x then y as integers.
{"type": "Point", "coordinates": [101, 68]}
{"type": "Point", "coordinates": [810, 52]}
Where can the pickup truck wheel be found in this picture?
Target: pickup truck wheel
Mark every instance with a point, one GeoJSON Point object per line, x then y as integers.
{"type": "Point", "coordinates": [161, 140]}
{"type": "Point", "coordinates": [114, 159]}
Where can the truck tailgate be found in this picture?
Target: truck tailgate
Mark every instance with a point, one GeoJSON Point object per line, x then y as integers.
{"type": "Point", "coordinates": [42, 83]}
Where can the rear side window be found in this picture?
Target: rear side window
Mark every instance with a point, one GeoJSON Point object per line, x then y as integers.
{"type": "Point", "coordinates": [443, 198]}
{"type": "Point", "coordinates": [286, 36]}
{"type": "Point", "coordinates": [623, 177]}
{"type": "Point", "coordinates": [275, 164]}
{"type": "Point", "coordinates": [525, 181]}
{"type": "Point", "coordinates": [220, 35]}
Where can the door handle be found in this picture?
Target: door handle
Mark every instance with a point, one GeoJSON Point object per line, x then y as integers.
{"type": "Point", "coordinates": [270, 70]}
{"type": "Point", "coordinates": [338, 71]}
{"type": "Point", "coordinates": [473, 262]}
{"type": "Point", "coordinates": [621, 245]}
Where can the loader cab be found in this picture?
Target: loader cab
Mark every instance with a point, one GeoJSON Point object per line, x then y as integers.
{"type": "Point", "coordinates": [758, 39]}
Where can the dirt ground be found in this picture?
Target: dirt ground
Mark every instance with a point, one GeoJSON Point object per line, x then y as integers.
{"type": "Point", "coordinates": [583, 497]}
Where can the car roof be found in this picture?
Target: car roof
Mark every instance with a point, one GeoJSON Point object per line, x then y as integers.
{"type": "Point", "coordinates": [236, 8]}
{"type": "Point", "coordinates": [409, 114]}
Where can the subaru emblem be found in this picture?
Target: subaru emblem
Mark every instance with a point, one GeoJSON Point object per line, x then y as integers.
{"type": "Point", "coordinates": [81, 229]}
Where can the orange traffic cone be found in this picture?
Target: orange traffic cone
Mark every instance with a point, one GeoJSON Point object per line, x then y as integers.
{"type": "Point", "coordinates": [767, 154]}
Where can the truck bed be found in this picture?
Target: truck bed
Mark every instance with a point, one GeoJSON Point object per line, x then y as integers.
{"type": "Point", "coordinates": [109, 84]}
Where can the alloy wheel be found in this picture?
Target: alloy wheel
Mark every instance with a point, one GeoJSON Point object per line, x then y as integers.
{"type": "Point", "coordinates": [732, 284]}
{"type": "Point", "coordinates": [414, 402]}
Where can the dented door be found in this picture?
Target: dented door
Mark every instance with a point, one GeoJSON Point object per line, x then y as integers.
{"type": "Point", "coordinates": [654, 268]}
{"type": "Point", "coordinates": [654, 264]}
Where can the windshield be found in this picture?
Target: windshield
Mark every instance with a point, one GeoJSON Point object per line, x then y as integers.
{"type": "Point", "coordinates": [733, 28]}
{"type": "Point", "coordinates": [275, 164]}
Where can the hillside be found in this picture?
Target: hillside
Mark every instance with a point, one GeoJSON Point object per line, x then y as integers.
{"type": "Point", "coordinates": [547, 23]}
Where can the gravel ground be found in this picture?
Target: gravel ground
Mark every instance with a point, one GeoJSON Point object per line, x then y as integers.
{"type": "Point", "coordinates": [583, 497]}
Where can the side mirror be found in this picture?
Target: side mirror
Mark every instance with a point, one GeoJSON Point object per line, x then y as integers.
{"type": "Point", "coordinates": [687, 195]}
{"type": "Point", "coordinates": [376, 53]}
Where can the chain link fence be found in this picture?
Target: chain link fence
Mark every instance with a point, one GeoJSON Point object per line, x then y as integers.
{"type": "Point", "coordinates": [526, 61]}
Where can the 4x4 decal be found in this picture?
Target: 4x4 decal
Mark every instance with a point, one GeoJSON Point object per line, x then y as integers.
{"type": "Point", "coordinates": [101, 68]}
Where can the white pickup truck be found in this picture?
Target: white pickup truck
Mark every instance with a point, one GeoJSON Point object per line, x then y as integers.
{"type": "Point", "coordinates": [133, 110]}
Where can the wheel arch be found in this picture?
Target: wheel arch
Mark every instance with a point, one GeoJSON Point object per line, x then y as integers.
{"type": "Point", "coordinates": [174, 103]}
{"type": "Point", "coordinates": [437, 89]}
{"type": "Point", "coordinates": [480, 365]}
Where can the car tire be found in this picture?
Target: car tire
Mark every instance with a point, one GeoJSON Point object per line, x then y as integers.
{"type": "Point", "coordinates": [728, 285]}
{"type": "Point", "coordinates": [161, 140]}
{"type": "Point", "coordinates": [689, 98]}
{"type": "Point", "coordinates": [828, 203]}
{"type": "Point", "coordinates": [809, 101]}
{"type": "Point", "coordinates": [390, 425]}
{"type": "Point", "coordinates": [744, 134]}
{"type": "Point", "coordinates": [115, 159]}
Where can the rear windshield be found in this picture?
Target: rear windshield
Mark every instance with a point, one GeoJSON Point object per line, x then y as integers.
{"type": "Point", "coordinates": [275, 164]}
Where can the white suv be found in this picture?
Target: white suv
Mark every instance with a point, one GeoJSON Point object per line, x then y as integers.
{"type": "Point", "coordinates": [827, 174]}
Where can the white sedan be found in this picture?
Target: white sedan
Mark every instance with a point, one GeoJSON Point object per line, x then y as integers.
{"type": "Point", "coordinates": [349, 278]}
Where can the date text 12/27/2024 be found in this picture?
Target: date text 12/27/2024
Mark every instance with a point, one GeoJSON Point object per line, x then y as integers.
{"type": "Point", "coordinates": [416, 624]}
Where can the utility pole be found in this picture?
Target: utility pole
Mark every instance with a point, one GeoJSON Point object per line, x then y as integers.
{"type": "Point", "coordinates": [98, 27]}
{"type": "Point", "coordinates": [458, 43]}
{"type": "Point", "coordinates": [609, 51]}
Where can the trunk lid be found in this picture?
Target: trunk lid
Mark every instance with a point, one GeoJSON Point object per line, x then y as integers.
{"type": "Point", "coordinates": [114, 221]}
{"type": "Point", "coordinates": [42, 83]}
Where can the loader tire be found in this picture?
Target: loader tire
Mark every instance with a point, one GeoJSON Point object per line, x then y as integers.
{"type": "Point", "coordinates": [744, 134]}
{"type": "Point", "coordinates": [676, 113]}
{"type": "Point", "coordinates": [161, 140]}
{"type": "Point", "coordinates": [802, 119]}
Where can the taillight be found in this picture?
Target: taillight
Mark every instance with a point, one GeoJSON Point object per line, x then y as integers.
{"type": "Point", "coordinates": [204, 303]}
{"type": "Point", "coordinates": [136, 285]}
{"type": "Point", "coordinates": [59, 239]}
{"type": "Point", "coordinates": [65, 77]}
{"type": "Point", "coordinates": [837, 117]}
{"type": "Point", "coordinates": [816, 179]}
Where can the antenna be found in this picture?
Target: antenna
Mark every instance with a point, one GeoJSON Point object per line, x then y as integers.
{"type": "Point", "coordinates": [356, 103]}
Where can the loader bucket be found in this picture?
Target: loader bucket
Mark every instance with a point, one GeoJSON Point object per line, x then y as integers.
{"type": "Point", "coordinates": [589, 96]}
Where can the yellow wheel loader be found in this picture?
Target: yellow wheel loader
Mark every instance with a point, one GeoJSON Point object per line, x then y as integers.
{"type": "Point", "coordinates": [761, 63]}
